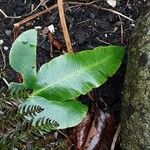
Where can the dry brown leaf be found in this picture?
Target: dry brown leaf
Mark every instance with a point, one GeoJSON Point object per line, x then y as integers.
{"type": "Point", "coordinates": [96, 132]}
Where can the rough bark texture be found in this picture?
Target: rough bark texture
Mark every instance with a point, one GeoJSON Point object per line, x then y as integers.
{"type": "Point", "coordinates": [136, 102]}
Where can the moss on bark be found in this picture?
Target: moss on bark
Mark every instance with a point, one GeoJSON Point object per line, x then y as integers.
{"type": "Point", "coordinates": [136, 102]}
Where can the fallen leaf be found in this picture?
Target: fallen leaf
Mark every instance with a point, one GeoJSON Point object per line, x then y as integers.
{"type": "Point", "coordinates": [81, 132]}
{"type": "Point", "coordinates": [95, 133]}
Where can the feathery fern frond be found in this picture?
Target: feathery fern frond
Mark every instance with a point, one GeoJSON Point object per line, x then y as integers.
{"type": "Point", "coordinates": [45, 125]}
{"type": "Point", "coordinates": [42, 123]}
{"type": "Point", "coordinates": [18, 91]}
{"type": "Point", "coordinates": [30, 110]}
{"type": "Point", "coordinates": [46, 121]}
{"type": "Point", "coordinates": [17, 132]}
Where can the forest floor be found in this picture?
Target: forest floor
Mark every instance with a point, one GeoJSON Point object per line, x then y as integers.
{"type": "Point", "coordinates": [90, 24]}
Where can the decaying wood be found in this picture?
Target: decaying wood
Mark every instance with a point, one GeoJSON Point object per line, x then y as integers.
{"type": "Point", "coordinates": [136, 102]}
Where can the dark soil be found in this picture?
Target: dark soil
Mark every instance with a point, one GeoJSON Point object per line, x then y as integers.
{"type": "Point", "coordinates": [88, 26]}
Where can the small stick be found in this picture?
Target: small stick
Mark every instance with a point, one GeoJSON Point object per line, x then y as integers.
{"type": "Point", "coordinates": [121, 26]}
{"type": "Point", "coordinates": [53, 7]}
{"type": "Point", "coordinates": [29, 18]}
{"type": "Point", "coordinates": [10, 17]}
{"type": "Point", "coordinates": [115, 12]}
{"type": "Point", "coordinates": [127, 3]}
{"type": "Point", "coordinates": [16, 32]}
{"type": "Point", "coordinates": [34, 16]}
{"type": "Point", "coordinates": [110, 10]}
{"type": "Point", "coordinates": [64, 26]}
{"type": "Point", "coordinates": [4, 58]}
{"type": "Point", "coordinates": [102, 41]}
{"type": "Point", "coordinates": [6, 82]}
{"type": "Point", "coordinates": [90, 96]}
{"type": "Point", "coordinates": [40, 4]}
{"type": "Point", "coordinates": [51, 40]}
{"type": "Point", "coordinates": [115, 137]}
{"type": "Point", "coordinates": [82, 3]}
{"type": "Point", "coordinates": [54, 42]}
{"type": "Point", "coordinates": [66, 136]}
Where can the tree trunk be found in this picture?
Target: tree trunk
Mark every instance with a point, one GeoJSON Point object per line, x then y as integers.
{"type": "Point", "coordinates": [136, 102]}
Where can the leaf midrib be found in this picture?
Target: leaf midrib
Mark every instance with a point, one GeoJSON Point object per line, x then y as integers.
{"type": "Point", "coordinates": [71, 75]}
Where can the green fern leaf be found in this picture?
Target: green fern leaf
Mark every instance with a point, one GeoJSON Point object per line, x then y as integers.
{"type": "Point", "coordinates": [70, 75]}
{"type": "Point", "coordinates": [22, 57]}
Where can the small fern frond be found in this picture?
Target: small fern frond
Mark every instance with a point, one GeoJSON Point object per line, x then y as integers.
{"type": "Point", "coordinates": [30, 110]}
{"type": "Point", "coordinates": [18, 91]}
{"type": "Point", "coordinates": [17, 132]}
{"type": "Point", "coordinates": [45, 124]}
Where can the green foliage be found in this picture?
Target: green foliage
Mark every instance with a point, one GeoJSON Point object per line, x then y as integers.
{"type": "Point", "coordinates": [58, 82]}
{"type": "Point", "coordinates": [17, 133]}
{"type": "Point", "coordinates": [70, 75]}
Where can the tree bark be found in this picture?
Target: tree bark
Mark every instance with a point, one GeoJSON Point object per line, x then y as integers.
{"type": "Point", "coordinates": [136, 100]}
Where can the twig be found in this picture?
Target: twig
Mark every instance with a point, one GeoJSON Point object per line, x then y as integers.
{"type": "Point", "coordinates": [4, 58]}
{"type": "Point", "coordinates": [90, 96]}
{"type": "Point", "coordinates": [17, 17]}
{"type": "Point", "coordinates": [19, 24]}
{"type": "Point", "coordinates": [121, 26]}
{"type": "Point", "coordinates": [115, 137]}
{"type": "Point", "coordinates": [127, 3]}
{"type": "Point", "coordinates": [62, 17]}
{"type": "Point", "coordinates": [66, 136]}
{"type": "Point", "coordinates": [81, 3]}
{"type": "Point", "coordinates": [102, 41]}
{"type": "Point", "coordinates": [84, 21]}
{"type": "Point", "coordinates": [64, 26]}
{"type": "Point", "coordinates": [115, 12]}
{"type": "Point", "coordinates": [6, 82]}
{"type": "Point", "coordinates": [54, 42]}
{"type": "Point", "coordinates": [29, 18]}
{"type": "Point", "coordinates": [99, 7]}
{"type": "Point", "coordinates": [51, 40]}
{"type": "Point", "coordinates": [40, 4]}
{"type": "Point", "coordinates": [10, 17]}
